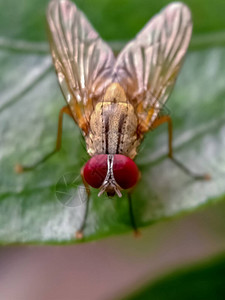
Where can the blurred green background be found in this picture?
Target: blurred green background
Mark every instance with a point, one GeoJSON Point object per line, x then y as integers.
{"type": "Point", "coordinates": [114, 19]}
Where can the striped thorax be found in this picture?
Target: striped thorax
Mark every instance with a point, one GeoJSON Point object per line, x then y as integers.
{"type": "Point", "coordinates": [113, 125]}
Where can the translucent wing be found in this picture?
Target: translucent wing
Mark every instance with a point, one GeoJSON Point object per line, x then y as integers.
{"type": "Point", "coordinates": [83, 62]}
{"type": "Point", "coordinates": [148, 66]}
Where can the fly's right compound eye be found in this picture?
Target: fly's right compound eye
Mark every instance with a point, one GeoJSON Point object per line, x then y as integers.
{"type": "Point", "coordinates": [125, 171]}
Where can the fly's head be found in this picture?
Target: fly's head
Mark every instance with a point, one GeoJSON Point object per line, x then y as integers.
{"type": "Point", "coordinates": [111, 173]}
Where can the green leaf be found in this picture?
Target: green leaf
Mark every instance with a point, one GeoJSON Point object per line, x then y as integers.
{"type": "Point", "coordinates": [201, 281]}
{"type": "Point", "coordinates": [30, 101]}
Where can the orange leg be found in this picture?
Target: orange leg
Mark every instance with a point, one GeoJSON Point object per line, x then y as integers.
{"type": "Point", "coordinates": [168, 120]}
{"type": "Point", "coordinates": [19, 168]}
{"type": "Point", "coordinates": [159, 122]}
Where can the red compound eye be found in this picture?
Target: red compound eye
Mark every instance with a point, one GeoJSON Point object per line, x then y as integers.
{"type": "Point", "coordinates": [95, 170]}
{"type": "Point", "coordinates": [125, 171]}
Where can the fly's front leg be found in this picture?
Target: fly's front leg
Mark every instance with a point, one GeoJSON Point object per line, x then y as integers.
{"type": "Point", "coordinates": [132, 218]}
{"type": "Point", "coordinates": [20, 168]}
{"type": "Point", "coordinates": [79, 233]}
{"type": "Point", "coordinates": [168, 120]}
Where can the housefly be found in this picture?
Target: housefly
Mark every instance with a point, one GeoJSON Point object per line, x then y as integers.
{"type": "Point", "coordinates": [115, 101]}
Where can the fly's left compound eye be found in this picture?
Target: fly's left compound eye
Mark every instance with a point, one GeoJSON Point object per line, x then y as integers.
{"type": "Point", "coordinates": [125, 171]}
{"type": "Point", "coordinates": [95, 170]}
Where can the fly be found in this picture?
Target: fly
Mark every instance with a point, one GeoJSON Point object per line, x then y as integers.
{"type": "Point", "coordinates": [115, 101]}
